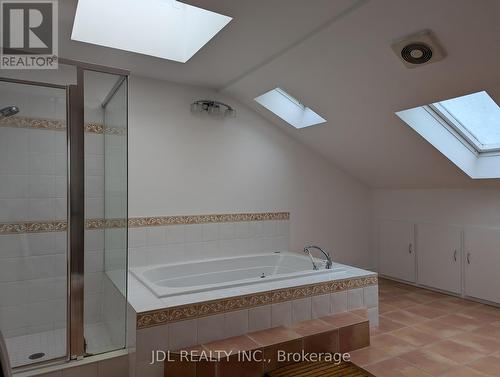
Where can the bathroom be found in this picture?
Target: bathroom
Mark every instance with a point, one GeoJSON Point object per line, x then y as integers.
{"type": "Point", "coordinates": [156, 201]}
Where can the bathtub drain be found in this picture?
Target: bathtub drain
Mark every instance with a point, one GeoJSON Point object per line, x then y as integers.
{"type": "Point", "coordinates": [263, 276]}
{"type": "Point", "coordinates": [36, 356]}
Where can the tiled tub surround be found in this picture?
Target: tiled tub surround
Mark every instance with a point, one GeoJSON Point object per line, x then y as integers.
{"type": "Point", "coordinates": [184, 321]}
{"type": "Point", "coordinates": [184, 238]}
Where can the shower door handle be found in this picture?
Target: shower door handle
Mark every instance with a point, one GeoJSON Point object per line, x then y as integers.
{"type": "Point", "coordinates": [410, 248]}
{"type": "Point", "coordinates": [468, 258]}
{"type": "Point", "coordinates": [455, 255]}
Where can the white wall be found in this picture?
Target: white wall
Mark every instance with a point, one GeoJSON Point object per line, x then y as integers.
{"type": "Point", "coordinates": [181, 163]}
{"type": "Point", "coordinates": [469, 207]}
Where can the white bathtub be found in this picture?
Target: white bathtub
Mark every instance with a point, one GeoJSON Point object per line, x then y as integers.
{"type": "Point", "coordinates": [205, 275]}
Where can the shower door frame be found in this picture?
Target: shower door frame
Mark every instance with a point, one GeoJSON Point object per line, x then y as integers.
{"type": "Point", "coordinates": [75, 137]}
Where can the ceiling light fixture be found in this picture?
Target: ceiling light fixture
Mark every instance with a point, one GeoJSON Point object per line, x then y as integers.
{"type": "Point", "coordinates": [212, 107]}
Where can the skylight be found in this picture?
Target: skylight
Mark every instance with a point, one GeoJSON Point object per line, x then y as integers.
{"type": "Point", "coordinates": [465, 129]}
{"type": "Point", "coordinates": [289, 108]}
{"type": "Point", "coordinates": [166, 29]}
{"type": "Point", "coordinates": [476, 116]}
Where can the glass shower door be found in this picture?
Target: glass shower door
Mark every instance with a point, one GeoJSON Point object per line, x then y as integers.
{"type": "Point", "coordinates": [33, 221]}
{"type": "Point", "coordinates": [105, 115]}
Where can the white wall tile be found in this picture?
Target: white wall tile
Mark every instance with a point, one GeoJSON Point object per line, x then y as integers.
{"type": "Point", "coordinates": [183, 334]}
{"type": "Point", "coordinates": [193, 233]}
{"type": "Point", "coordinates": [339, 302]}
{"type": "Point", "coordinates": [370, 296]}
{"type": "Point", "coordinates": [211, 328]}
{"type": "Point", "coordinates": [301, 310]}
{"type": "Point", "coordinates": [227, 231]}
{"type": "Point", "coordinates": [156, 235]}
{"type": "Point", "coordinates": [281, 314]}
{"type": "Point", "coordinates": [355, 298]}
{"type": "Point", "coordinates": [176, 234]}
{"type": "Point", "coordinates": [259, 318]}
{"type": "Point", "coordinates": [210, 232]}
{"type": "Point", "coordinates": [137, 257]}
{"type": "Point", "coordinates": [137, 237]}
{"type": "Point", "coordinates": [321, 306]}
{"type": "Point", "coordinates": [235, 323]}
{"type": "Point", "coordinates": [373, 316]}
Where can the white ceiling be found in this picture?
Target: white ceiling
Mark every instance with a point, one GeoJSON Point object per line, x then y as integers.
{"type": "Point", "coordinates": [335, 56]}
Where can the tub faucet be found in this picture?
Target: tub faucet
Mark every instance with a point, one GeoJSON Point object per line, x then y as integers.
{"type": "Point", "coordinates": [329, 263]}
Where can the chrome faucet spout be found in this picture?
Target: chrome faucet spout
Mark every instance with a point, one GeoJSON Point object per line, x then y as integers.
{"type": "Point", "coordinates": [329, 262]}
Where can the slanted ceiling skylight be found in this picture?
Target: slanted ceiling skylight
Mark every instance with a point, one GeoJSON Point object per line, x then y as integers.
{"type": "Point", "coordinates": [289, 108]}
{"type": "Point", "coordinates": [465, 129]}
{"type": "Point", "coordinates": [166, 29]}
{"type": "Point", "coordinates": [476, 116]}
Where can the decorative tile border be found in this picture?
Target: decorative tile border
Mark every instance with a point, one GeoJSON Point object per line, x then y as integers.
{"type": "Point", "coordinates": [207, 308]}
{"type": "Point", "coordinates": [33, 227]}
{"type": "Point", "coordinates": [58, 125]}
{"type": "Point", "coordinates": [137, 222]}
{"type": "Point", "coordinates": [58, 226]}
{"type": "Point", "coordinates": [35, 123]}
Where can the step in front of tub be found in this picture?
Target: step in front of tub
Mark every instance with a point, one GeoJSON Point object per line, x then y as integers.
{"type": "Point", "coordinates": [257, 353]}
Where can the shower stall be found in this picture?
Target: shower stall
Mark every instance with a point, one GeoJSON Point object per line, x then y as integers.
{"type": "Point", "coordinates": [63, 212]}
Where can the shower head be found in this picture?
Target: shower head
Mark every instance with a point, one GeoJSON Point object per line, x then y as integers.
{"type": "Point", "coordinates": [9, 111]}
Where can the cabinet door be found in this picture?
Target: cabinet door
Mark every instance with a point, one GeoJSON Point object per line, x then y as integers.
{"type": "Point", "coordinates": [396, 250]}
{"type": "Point", "coordinates": [438, 256]}
{"type": "Point", "coordinates": [482, 263]}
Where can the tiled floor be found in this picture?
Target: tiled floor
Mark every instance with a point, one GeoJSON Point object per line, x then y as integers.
{"type": "Point", "coordinates": [423, 333]}
{"type": "Point", "coordinates": [53, 344]}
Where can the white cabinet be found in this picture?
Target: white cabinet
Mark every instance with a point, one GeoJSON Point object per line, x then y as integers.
{"type": "Point", "coordinates": [482, 263]}
{"type": "Point", "coordinates": [396, 250]}
{"type": "Point", "coordinates": [438, 250]}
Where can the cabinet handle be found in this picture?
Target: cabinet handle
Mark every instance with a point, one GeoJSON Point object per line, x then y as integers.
{"type": "Point", "coordinates": [468, 258]}
{"type": "Point", "coordinates": [410, 248]}
{"type": "Point", "coordinates": [455, 255]}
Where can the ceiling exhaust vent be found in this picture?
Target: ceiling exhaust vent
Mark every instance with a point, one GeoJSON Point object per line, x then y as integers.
{"type": "Point", "coordinates": [418, 49]}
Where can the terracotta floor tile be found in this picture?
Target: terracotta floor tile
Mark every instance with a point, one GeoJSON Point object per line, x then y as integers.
{"type": "Point", "coordinates": [420, 297]}
{"type": "Point", "coordinates": [385, 325]}
{"type": "Point", "coordinates": [404, 317]}
{"type": "Point", "coordinates": [390, 344]}
{"type": "Point", "coordinates": [233, 345]}
{"type": "Point", "coordinates": [395, 367]}
{"type": "Point", "coordinates": [490, 331]}
{"type": "Point", "coordinates": [342, 319]}
{"type": "Point", "coordinates": [384, 308]}
{"type": "Point", "coordinates": [311, 327]}
{"type": "Point", "coordinates": [430, 362]}
{"type": "Point", "coordinates": [273, 336]}
{"type": "Point", "coordinates": [457, 352]}
{"type": "Point", "coordinates": [415, 337]}
{"type": "Point", "coordinates": [480, 315]}
{"type": "Point", "coordinates": [447, 306]}
{"type": "Point", "coordinates": [493, 310]}
{"type": "Point", "coordinates": [426, 310]}
{"type": "Point", "coordinates": [462, 371]}
{"type": "Point", "coordinates": [460, 321]}
{"type": "Point", "coordinates": [439, 329]}
{"type": "Point", "coordinates": [399, 302]}
{"type": "Point", "coordinates": [488, 365]}
{"type": "Point", "coordinates": [368, 355]}
{"type": "Point", "coordinates": [479, 343]}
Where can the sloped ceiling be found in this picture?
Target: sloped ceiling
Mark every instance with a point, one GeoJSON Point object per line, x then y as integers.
{"type": "Point", "coordinates": [335, 57]}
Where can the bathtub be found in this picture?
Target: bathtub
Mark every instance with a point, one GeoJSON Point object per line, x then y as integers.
{"type": "Point", "coordinates": [206, 275]}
